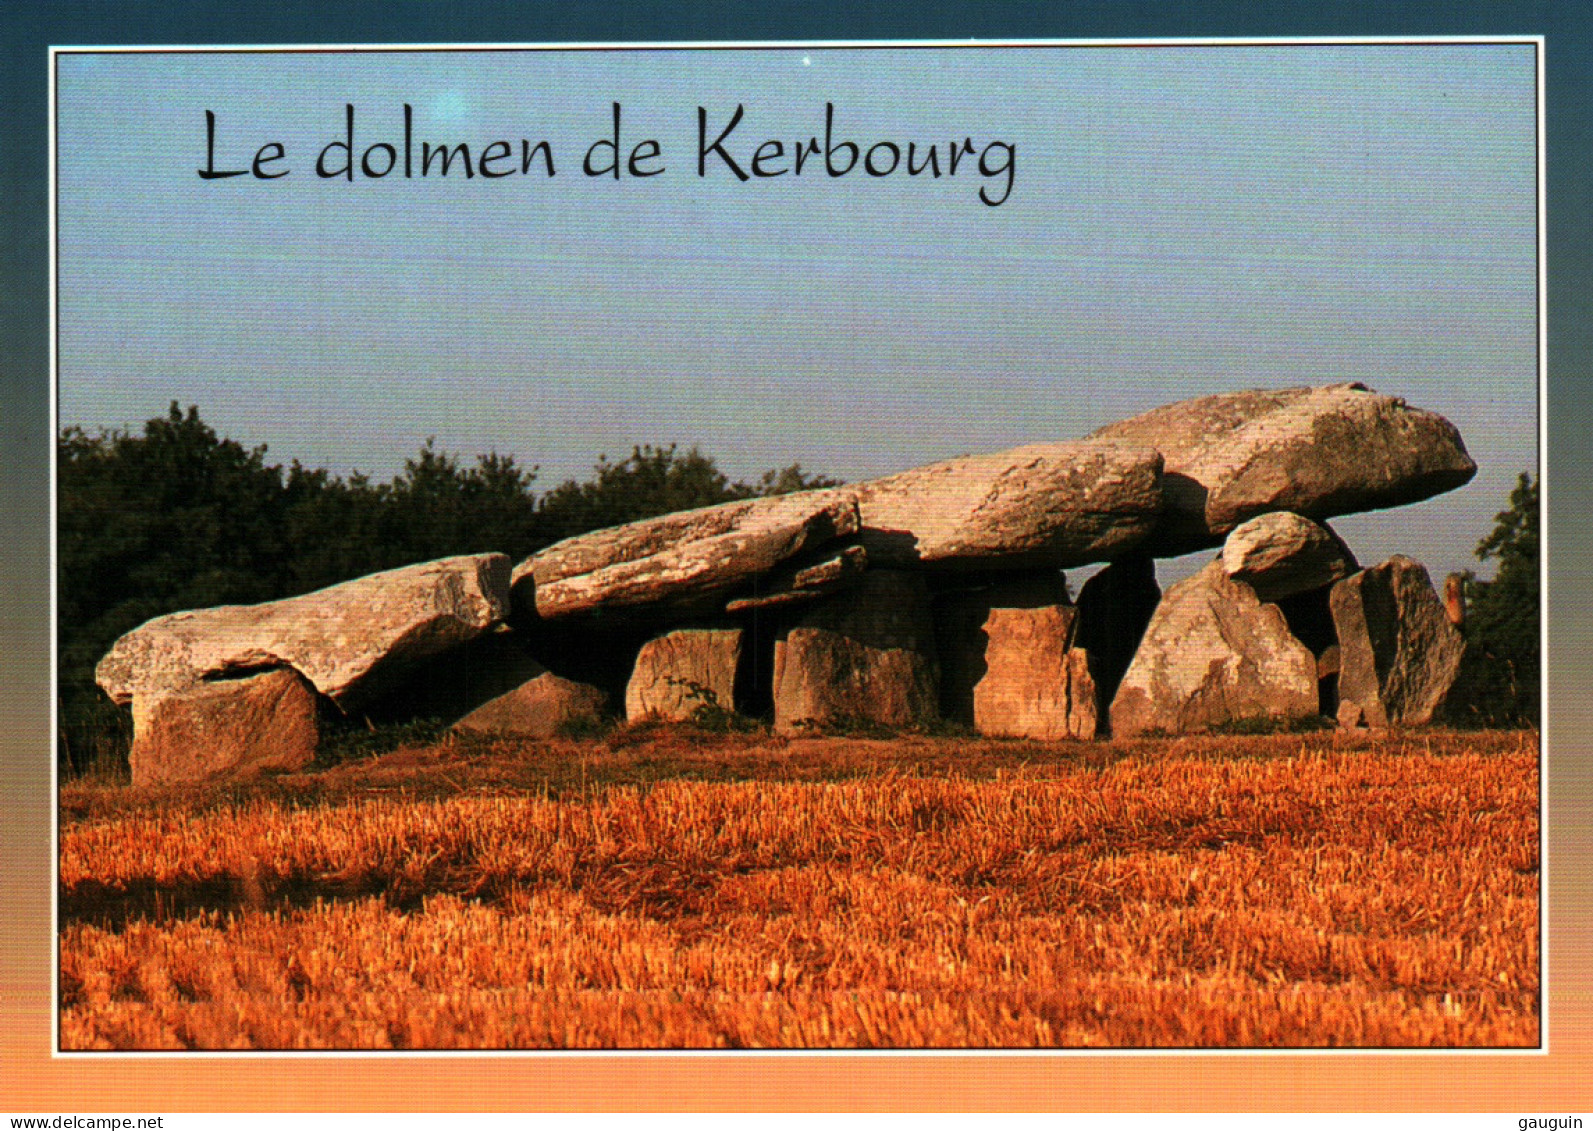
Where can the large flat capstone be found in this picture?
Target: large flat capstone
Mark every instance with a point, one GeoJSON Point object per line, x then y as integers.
{"type": "Point", "coordinates": [679, 559]}
{"type": "Point", "coordinates": [1035, 507]}
{"type": "Point", "coordinates": [1319, 452]}
{"type": "Point", "coordinates": [348, 640]}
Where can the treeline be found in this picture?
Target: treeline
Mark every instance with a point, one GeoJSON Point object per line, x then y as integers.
{"type": "Point", "coordinates": [1500, 682]}
{"type": "Point", "coordinates": [179, 518]}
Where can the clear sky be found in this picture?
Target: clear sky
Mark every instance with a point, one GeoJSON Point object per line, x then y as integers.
{"type": "Point", "coordinates": [1179, 221]}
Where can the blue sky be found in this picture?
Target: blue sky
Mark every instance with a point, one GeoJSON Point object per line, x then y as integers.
{"type": "Point", "coordinates": [1181, 221]}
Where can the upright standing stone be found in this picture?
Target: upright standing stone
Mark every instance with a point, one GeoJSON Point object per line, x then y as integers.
{"type": "Point", "coordinates": [230, 728]}
{"type": "Point", "coordinates": [1213, 656]}
{"type": "Point", "coordinates": [865, 655]}
{"type": "Point", "coordinates": [1036, 686]}
{"type": "Point", "coordinates": [1084, 697]}
{"type": "Point", "coordinates": [1399, 654]}
{"type": "Point", "coordinates": [1008, 663]}
{"type": "Point", "coordinates": [680, 672]}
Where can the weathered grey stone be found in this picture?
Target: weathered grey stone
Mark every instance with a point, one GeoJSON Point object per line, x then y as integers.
{"type": "Point", "coordinates": [679, 672]}
{"type": "Point", "coordinates": [1399, 654]}
{"type": "Point", "coordinates": [348, 640]}
{"type": "Point", "coordinates": [1319, 452]}
{"type": "Point", "coordinates": [231, 728]}
{"type": "Point", "coordinates": [1214, 655]}
{"type": "Point", "coordinates": [1281, 554]}
{"type": "Point", "coordinates": [792, 584]}
{"type": "Point", "coordinates": [1008, 666]}
{"type": "Point", "coordinates": [1035, 507]}
{"type": "Point", "coordinates": [1114, 607]}
{"type": "Point", "coordinates": [539, 708]}
{"type": "Point", "coordinates": [680, 559]}
{"type": "Point", "coordinates": [866, 654]}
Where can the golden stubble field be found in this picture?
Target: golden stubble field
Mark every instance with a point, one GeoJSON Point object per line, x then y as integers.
{"type": "Point", "coordinates": [669, 888]}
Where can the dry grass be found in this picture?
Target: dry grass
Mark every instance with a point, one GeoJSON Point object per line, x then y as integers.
{"type": "Point", "coordinates": [665, 889]}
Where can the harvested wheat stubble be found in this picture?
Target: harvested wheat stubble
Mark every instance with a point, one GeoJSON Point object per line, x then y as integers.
{"type": "Point", "coordinates": [1173, 897]}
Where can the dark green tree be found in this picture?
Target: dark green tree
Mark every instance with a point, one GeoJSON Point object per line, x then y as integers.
{"type": "Point", "coordinates": [334, 526]}
{"type": "Point", "coordinates": [435, 508]}
{"type": "Point", "coordinates": [653, 481]}
{"type": "Point", "coordinates": [650, 481]}
{"type": "Point", "coordinates": [784, 480]}
{"type": "Point", "coordinates": [175, 518]}
{"type": "Point", "coordinates": [1500, 680]}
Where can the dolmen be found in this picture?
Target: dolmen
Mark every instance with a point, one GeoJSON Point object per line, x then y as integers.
{"type": "Point", "coordinates": [935, 594]}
